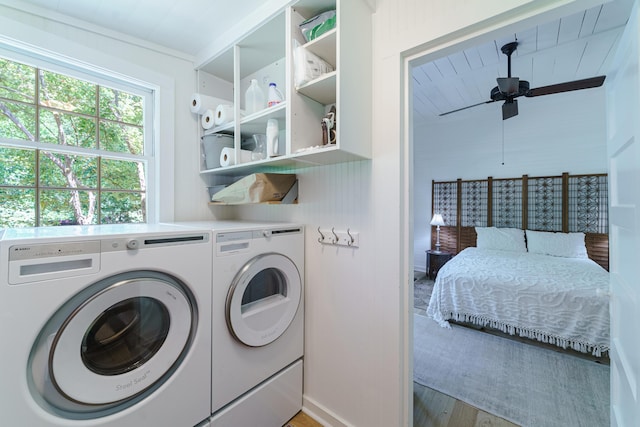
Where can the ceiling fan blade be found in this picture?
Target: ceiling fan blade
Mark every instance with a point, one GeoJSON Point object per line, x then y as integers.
{"type": "Point", "coordinates": [567, 86]}
{"type": "Point", "coordinates": [468, 106]}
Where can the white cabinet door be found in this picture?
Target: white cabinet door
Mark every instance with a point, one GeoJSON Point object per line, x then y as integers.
{"type": "Point", "coordinates": [623, 149]}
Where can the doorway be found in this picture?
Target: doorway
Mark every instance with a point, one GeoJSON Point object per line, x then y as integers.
{"type": "Point", "coordinates": [438, 144]}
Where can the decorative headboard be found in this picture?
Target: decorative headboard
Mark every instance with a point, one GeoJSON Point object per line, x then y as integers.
{"type": "Point", "coordinates": [566, 203]}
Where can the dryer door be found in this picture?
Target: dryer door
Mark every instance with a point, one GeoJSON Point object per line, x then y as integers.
{"type": "Point", "coordinates": [263, 299]}
{"type": "Point", "coordinates": [110, 345]}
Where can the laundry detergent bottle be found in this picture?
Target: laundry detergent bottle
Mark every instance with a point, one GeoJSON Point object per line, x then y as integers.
{"type": "Point", "coordinates": [274, 96]}
{"type": "Point", "coordinates": [254, 98]}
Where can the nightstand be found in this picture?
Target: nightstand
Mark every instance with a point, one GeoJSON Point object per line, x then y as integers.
{"type": "Point", "coordinates": [435, 261]}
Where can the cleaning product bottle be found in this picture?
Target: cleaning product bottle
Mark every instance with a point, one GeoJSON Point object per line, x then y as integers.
{"type": "Point", "coordinates": [274, 96]}
{"type": "Point", "coordinates": [254, 98]}
{"type": "Point", "coordinates": [272, 137]}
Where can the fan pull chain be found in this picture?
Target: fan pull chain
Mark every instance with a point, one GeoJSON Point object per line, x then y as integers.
{"type": "Point", "coordinates": [502, 142]}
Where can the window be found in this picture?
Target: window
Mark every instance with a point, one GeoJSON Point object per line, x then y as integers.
{"type": "Point", "coordinates": [75, 147]}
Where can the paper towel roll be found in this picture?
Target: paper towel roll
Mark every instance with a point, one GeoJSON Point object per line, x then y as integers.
{"type": "Point", "coordinates": [224, 114]}
{"type": "Point", "coordinates": [227, 156]}
{"type": "Point", "coordinates": [208, 119]}
{"type": "Point", "coordinates": [201, 103]}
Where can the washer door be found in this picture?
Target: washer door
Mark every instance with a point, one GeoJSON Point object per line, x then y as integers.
{"type": "Point", "coordinates": [263, 299]}
{"type": "Point", "coordinates": [111, 346]}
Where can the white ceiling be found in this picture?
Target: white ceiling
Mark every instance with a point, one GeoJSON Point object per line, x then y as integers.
{"type": "Point", "coordinates": [575, 47]}
{"type": "Point", "coordinates": [186, 26]}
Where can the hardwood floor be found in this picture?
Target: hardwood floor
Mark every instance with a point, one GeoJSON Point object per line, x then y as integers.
{"type": "Point", "coordinates": [302, 420]}
{"type": "Point", "coordinates": [434, 409]}
{"type": "Point", "coordinates": [431, 409]}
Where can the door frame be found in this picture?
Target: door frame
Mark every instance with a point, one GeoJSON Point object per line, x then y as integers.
{"type": "Point", "coordinates": [624, 211]}
{"type": "Point", "coordinates": [421, 54]}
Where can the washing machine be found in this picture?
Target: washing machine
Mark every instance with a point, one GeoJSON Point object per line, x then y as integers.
{"type": "Point", "coordinates": [257, 323]}
{"type": "Point", "coordinates": [105, 326]}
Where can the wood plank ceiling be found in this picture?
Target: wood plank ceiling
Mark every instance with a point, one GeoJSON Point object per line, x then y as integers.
{"type": "Point", "coordinates": [575, 47]}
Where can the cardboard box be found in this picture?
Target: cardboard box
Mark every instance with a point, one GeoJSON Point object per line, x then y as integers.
{"type": "Point", "coordinates": [256, 188]}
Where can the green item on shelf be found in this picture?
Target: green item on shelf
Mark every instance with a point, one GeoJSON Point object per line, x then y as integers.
{"type": "Point", "coordinates": [318, 25]}
{"type": "Point", "coordinates": [319, 30]}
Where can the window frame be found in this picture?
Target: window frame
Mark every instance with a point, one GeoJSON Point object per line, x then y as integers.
{"type": "Point", "coordinates": [105, 78]}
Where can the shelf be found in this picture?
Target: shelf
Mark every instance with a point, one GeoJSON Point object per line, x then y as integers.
{"type": "Point", "coordinates": [221, 66]}
{"type": "Point", "coordinates": [254, 123]}
{"type": "Point", "coordinates": [324, 46]}
{"type": "Point", "coordinates": [266, 53]}
{"type": "Point", "coordinates": [263, 45]}
{"type": "Point", "coordinates": [325, 155]}
{"type": "Point", "coordinates": [272, 164]}
{"type": "Point", "coordinates": [225, 128]}
{"type": "Point", "coordinates": [295, 202]}
{"type": "Point", "coordinates": [257, 122]}
{"type": "Point", "coordinates": [322, 89]}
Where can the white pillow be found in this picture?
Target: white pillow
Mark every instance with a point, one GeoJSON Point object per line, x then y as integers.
{"type": "Point", "coordinates": [504, 239]}
{"type": "Point", "coordinates": [567, 245]}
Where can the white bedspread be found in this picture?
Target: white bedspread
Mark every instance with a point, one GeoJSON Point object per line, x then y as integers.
{"type": "Point", "coordinates": [562, 301]}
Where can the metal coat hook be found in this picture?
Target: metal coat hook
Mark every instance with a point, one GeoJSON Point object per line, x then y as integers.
{"type": "Point", "coordinates": [331, 236]}
{"type": "Point", "coordinates": [336, 239]}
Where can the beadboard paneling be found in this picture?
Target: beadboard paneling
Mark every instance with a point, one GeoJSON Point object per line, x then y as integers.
{"type": "Point", "coordinates": [340, 282]}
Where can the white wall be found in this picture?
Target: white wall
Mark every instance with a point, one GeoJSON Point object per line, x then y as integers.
{"type": "Point", "coordinates": [551, 135]}
{"type": "Point", "coordinates": [347, 317]}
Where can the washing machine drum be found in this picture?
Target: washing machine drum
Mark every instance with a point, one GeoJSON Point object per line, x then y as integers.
{"type": "Point", "coordinates": [263, 299]}
{"type": "Point", "coordinates": [112, 344]}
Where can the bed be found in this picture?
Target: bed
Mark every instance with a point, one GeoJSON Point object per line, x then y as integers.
{"type": "Point", "coordinates": [538, 285]}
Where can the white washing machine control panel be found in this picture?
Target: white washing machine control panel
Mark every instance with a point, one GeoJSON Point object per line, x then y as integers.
{"type": "Point", "coordinates": [49, 250]}
{"type": "Point", "coordinates": [145, 242]}
{"type": "Point", "coordinates": [45, 261]}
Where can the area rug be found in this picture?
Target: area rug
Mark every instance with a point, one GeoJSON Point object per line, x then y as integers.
{"type": "Point", "coordinates": [422, 288]}
{"type": "Point", "coordinates": [524, 384]}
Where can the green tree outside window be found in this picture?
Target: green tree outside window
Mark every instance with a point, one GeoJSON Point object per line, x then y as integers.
{"type": "Point", "coordinates": [100, 182]}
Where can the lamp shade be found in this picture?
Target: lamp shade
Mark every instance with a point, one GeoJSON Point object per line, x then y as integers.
{"type": "Point", "coordinates": [437, 220]}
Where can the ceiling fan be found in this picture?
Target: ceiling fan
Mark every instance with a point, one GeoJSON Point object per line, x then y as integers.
{"type": "Point", "coordinates": [509, 88]}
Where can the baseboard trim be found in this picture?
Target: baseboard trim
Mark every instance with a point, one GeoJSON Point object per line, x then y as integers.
{"type": "Point", "coordinates": [322, 414]}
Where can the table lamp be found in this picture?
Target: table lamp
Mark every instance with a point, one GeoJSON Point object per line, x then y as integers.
{"type": "Point", "coordinates": [437, 221]}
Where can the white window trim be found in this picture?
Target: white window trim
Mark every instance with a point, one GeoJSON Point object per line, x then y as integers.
{"type": "Point", "coordinates": [44, 59]}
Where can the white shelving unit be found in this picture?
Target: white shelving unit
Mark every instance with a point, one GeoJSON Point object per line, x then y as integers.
{"type": "Point", "coordinates": [266, 54]}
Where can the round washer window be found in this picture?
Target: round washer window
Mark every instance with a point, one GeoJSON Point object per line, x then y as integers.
{"type": "Point", "coordinates": [113, 344]}
{"type": "Point", "coordinates": [125, 336]}
{"type": "Point", "coordinates": [263, 299]}
{"type": "Point", "coordinates": [266, 283]}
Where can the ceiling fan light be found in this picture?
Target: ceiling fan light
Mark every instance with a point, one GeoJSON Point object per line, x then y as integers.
{"type": "Point", "coordinates": [509, 85]}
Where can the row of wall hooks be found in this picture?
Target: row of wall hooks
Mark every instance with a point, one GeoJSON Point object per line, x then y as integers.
{"type": "Point", "coordinates": [338, 237]}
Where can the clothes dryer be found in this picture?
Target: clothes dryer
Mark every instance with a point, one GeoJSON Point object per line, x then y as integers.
{"type": "Point", "coordinates": [105, 326]}
{"type": "Point", "coordinates": [257, 323]}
